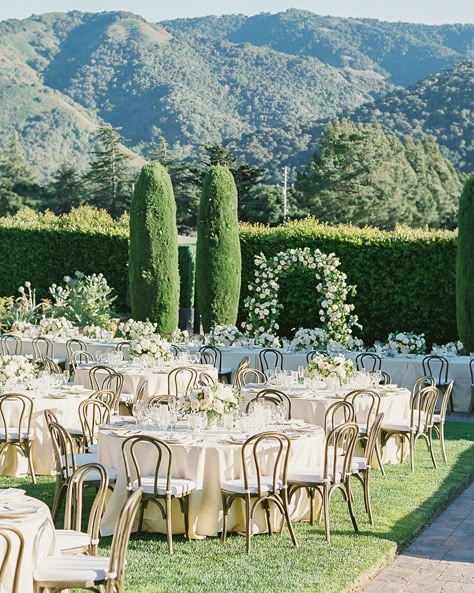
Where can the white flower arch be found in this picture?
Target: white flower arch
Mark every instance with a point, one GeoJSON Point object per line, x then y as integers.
{"type": "Point", "coordinates": [264, 307]}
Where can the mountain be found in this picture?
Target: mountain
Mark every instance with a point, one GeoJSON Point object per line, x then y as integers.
{"type": "Point", "coordinates": [440, 106]}
{"type": "Point", "coordinates": [258, 82]}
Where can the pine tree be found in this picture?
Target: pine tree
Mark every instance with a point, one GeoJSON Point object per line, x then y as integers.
{"type": "Point", "coordinates": [153, 259]}
{"type": "Point", "coordinates": [66, 189]}
{"type": "Point", "coordinates": [465, 267]}
{"type": "Point", "coordinates": [108, 177]}
{"type": "Point", "coordinates": [218, 258]}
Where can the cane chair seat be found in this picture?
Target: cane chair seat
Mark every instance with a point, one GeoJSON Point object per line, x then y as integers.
{"type": "Point", "coordinates": [404, 426]}
{"type": "Point", "coordinates": [238, 487]}
{"type": "Point", "coordinates": [178, 486]}
{"type": "Point", "coordinates": [68, 540]}
{"type": "Point", "coordinates": [316, 474]}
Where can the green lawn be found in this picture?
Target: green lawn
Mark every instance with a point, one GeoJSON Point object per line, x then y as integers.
{"type": "Point", "coordinates": [403, 504]}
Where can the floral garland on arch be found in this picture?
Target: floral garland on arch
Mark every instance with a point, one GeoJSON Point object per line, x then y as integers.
{"type": "Point", "coordinates": [264, 308]}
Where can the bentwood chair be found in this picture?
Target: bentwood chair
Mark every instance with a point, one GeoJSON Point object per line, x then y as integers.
{"type": "Point", "coordinates": [71, 539]}
{"type": "Point", "coordinates": [122, 346]}
{"type": "Point", "coordinates": [419, 425]}
{"type": "Point", "coordinates": [368, 361]}
{"type": "Point", "coordinates": [313, 353]}
{"type": "Point", "coordinates": [440, 419]}
{"type": "Point", "coordinates": [260, 487]}
{"type": "Point", "coordinates": [49, 366]}
{"type": "Point", "coordinates": [94, 573]}
{"type": "Point", "coordinates": [338, 413]}
{"type": "Point", "coordinates": [270, 358]}
{"type": "Point", "coordinates": [438, 367]}
{"type": "Point", "coordinates": [385, 378]}
{"type": "Point", "coordinates": [10, 345]}
{"type": "Point", "coordinates": [243, 364]}
{"type": "Point", "coordinates": [42, 348]}
{"type": "Point", "coordinates": [248, 376]}
{"type": "Point", "coordinates": [67, 462]}
{"type": "Point", "coordinates": [92, 413]}
{"type": "Point", "coordinates": [223, 374]}
{"type": "Point", "coordinates": [74, 345]}
{"type": "Point", "coordinates": [80, 357]}
{"type": "Point", "coordinates": [333, 475]}
{"type": "Point", "coordinates": [175, 350]}
{"type": "Point", "coordinates": [274, 398]}
{"type": "Point", "coordinates": [105, 378]}
{"type": "Point", "coordinates": [16, 411]}
{"type": "Point", "coordinates": [362, 466]}
{"type": "Point", "coordinates": [205, 379]}
{"type": "Point", "coordinates": [160, 487]}
{"type": "Point", "coordinates": [369, 403]}
{"type": "Point", "coordinates": [13, 543]}
{"type": "Point", "coordinates": [186, 377]}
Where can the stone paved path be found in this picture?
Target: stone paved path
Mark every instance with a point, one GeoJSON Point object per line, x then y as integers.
{"type": "Point", "coordinates": [440, 560]}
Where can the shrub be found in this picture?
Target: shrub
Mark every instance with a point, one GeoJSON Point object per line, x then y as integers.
{"type": "Point", "coordinates": [465, 267]}
{"type": "Point", "coordinates": [153, 262]}
{"type": "Point", "coordinates": [405, 278]}
{"type": "Point", "coordinates": [218, 259]}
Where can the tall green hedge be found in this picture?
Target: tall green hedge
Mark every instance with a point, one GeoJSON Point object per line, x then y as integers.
{"type": "Point", "coordinates": [405, 278]}
{"type": "Point", "coordinates": [42, 248]}
{"type": "Point", "coordinates": [153, 259]}
{"type": "Point", "coordinates": [465, 267]}
{"type": "Point", "coordinates": [218, 260]}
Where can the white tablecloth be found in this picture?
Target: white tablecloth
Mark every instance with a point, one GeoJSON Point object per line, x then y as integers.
{"type": "Point", "coordinates": [207, 463]}
{"type": "Point", "coordinates": [38, 532]}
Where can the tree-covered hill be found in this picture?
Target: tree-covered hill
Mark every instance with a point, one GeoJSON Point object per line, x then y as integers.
{"type": "Point", "coordinates": [258, 82]}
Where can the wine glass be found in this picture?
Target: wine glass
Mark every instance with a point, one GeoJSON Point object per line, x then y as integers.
{"type": "Point", "coordinates": [172, 420]}
{"type": "Point", "coordinates": [66, 377]}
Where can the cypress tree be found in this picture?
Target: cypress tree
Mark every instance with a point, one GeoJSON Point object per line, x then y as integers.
{"type": "Point", "coordinates": [465, 267]}
{"type": "Point", "coordinates": [218, 258]}
{"type": "Point", "coordinates": [153, 259]}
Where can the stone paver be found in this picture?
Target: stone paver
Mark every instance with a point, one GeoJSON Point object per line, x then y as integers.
{"type": "Point", "coordinates": [440, 560]}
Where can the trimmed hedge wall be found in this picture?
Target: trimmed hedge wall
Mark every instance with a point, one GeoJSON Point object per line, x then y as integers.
{"type": "Point", "coordinates": [405, 278]}
{"type": "Point", "coordinates": [43, 248]}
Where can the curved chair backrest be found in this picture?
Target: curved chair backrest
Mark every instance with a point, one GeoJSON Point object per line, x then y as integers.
{"type": "Point", "coordinates": [338, 413]}
{"type": "Point", "coordinates": [63, 449]}
{"type": "Point", "coordinates": [16, 411]}
{"type": "Point", "coordinates": [122, 346]}
{"type": "Point", "coordinates": [107, 396]}
{"type": "Point", "coordinates": [274, 397]}
{"type": "Point", "coordinates": [92, 413]}
{"type": "Point", "coordinates": [337, 467]}
{"type": "Point", "coordinates": [123, 528]}
{"type": "Point", "coordinates": [114, 382]}
{"type": "Point", "coordinates": [214, 353]}
{"type": "Point", "coordinates": [79, 357]}
{"type": "Point", "coordinates": [49, 366]}
{"type": "Point", "coordinates": [313, 353]}
{"type": "Point", "coordinates": [206, 380]}
{"type": "Point", "coordinates": [252, 376]}
{"type": "Point", "coordinates": [422, 406]}
{"type": "Point", "coordinates": [13, 540]}
{"type": "Point", "coordinates": [98, 374]}
{"type": "Point", "coordinates": [368, 402]}
{"type": "Point", "coordinates": [157, 450]}
{"type": "Point", "coordinates": [385, 378]}
{"type": "Point", "coordinates": [421, 383]}
{"type": "Point", "coordinates": [42, 348]}
{"type": "Point", "coordinates": [243, 364]}
{"type": "Point", "coordinates": [74, 345]}
{"type": "Point", "coordinates": [175, 350]}
{"type": "Point", "coordinates": [10, 345]}
{"type": "Point", "coordinates": [471, 370]}
{"type": "Point", "coordinates": [368, 361]}
{"type": "Point", "coordinates": [437, 367]}
{"type": "Point", "coordinates": [184, 377]}
{"type": "Point", "coordinates": [142, 391]}
{"type": "Point", "coordinates": [159, 400]}
{"type": "Point", "coordinates": [277, 467]}
{"type": "Point", "coordinates": [74, 500]}
{"type": "Point", "coordinates": [270, 358]}
{"type": "Point", "coordinates": [373, 439]}
{"type": "Point", "coordinates": [445, 401]}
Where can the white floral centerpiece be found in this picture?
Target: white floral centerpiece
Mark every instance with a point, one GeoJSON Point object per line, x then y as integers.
{"type": "Point", "coordinates": [334, 368]}
{"type": "Point", "coordinates": [133, 330]}
{"type": "Point", "coordinates": [267, 340]}
{"type": "Point", "coordinates": [214, 400]}
{"type": "Point", "coordinates": [407, 342]}
{"type": "Point", "coordinates": [150, 349]}
{"type": "Point", "coordinates": [96, 332]}
{"type": "Point", "coordinates": [220, 333]}
{"type": "Point", "coordinates": [453, 348]}
{"type": "Point", "coordinates": [180, 336]}
{"type": "Point", "coordinates": [15, 369]}
{"type": "Point", "coordinates": [354, 344]}
{"type": "Point", "coordinates": [23, 328]}
{"type": "Point", "coordinates": [310, 339]}
{"type": "Point", "coordinates": [59, 327]}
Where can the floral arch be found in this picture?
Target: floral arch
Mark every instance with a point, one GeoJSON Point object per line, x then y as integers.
{"type": "Point", "coordinates": [263, 306]}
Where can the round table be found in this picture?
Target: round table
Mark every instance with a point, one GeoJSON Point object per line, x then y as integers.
{"type": "Point", "coordinates": [207, 459]}
{"type": "Point", "coordinates": [37, 529]}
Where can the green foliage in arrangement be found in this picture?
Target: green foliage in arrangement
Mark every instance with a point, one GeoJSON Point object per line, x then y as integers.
{"type": "Point", "coordinates": [153, 262]}
{"type": "Point", "coordinates": [465, 267]}
{"type": "Point", "coordinates": [218, 259]}
{"type": "Point", "coordinates": [41, 248]}
{"type": "Point", "coordinates": [405, 278]}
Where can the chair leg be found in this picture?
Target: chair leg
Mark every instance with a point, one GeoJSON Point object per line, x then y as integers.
{"type": "Point", "coordinates": [368, 506]}
{"type": "Point", "coordinates": [248, 523]}
{"type": "Point", "coordinates": [288, 519]}
{"type": "Point", "coordinates": [349, 503]}
{"type": "Point", "coordinates": [58, 497]}
{"type": "Point", "coordinates": [429, 444]}
{"type": "Point", "coordinates": [266, 506]}
{"type": "Point", "coordinates": [141, 514]}
{"type": "Point", "coordinates": [30, 462]}
{"type": "Point", "coordinates": [412, 452]}
{"type": "Point", "coordinates": [326, 513]}
{"type": "Point", "coordinates": [471, 403]}
{"type": "Point", "coordinates": [225, 510]}
{"type": "Point", "coordinates": [186, 516]}
{"type": "Point", "coordinates": [378, 454]}
{"type": "Point", "coordinates": [169, 532]}
{"type": "Point", "coordinates": [442, 442]}
{"type": "Point", "coordinates": [311, 497]}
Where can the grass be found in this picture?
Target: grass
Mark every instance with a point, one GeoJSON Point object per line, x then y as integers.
{"type": "Point", "coordinates": [403, 504]}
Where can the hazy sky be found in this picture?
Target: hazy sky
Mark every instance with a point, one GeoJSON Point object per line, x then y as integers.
{"type": "Point", "coordinates": [424, 11]}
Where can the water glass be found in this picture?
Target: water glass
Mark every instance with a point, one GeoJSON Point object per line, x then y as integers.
{"type": "Point", "coordinates": [228, 421]}
{"type": "Point", "coordinates": [66, 377]}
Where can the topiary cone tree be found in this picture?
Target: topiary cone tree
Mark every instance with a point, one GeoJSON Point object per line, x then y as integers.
{"type": "Point", "coordinates": [218, 258]}
{"type": "Point", "coordinates": [465, 267]}
{"type": "Point", "coordinates": [153, 256]}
